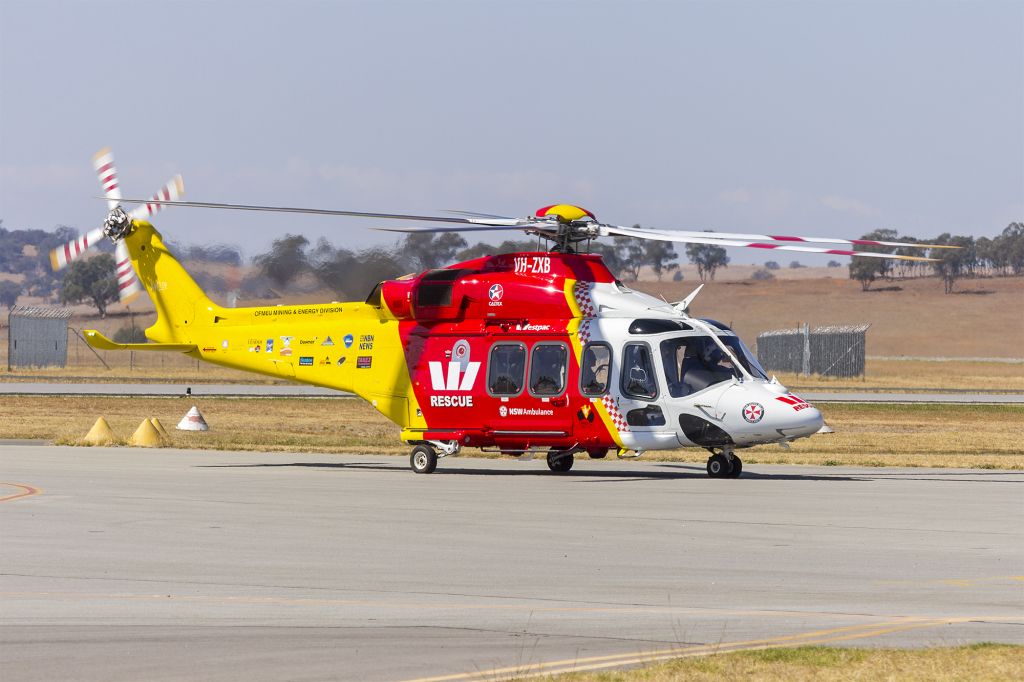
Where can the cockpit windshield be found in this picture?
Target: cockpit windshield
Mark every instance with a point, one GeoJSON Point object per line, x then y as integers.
{"type": "Point", "coordinates": [692, 363]}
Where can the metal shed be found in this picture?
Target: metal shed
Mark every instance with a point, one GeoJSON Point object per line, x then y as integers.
{"type": "Point", "coordinates": [38, 337]}
{"type": "Point", "coordinates": [837, 351]}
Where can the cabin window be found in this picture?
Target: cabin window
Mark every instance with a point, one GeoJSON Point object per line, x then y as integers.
{"type": "Point", "coordinates": [547, 369]}
{"type": "Point", "coordinates": [595, 369]}
{"type": "Point", "coordinates": [638, 378]}
{"type": "Point", "coordinates": [506, 370]}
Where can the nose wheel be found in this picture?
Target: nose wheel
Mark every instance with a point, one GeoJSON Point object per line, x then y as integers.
{"type": "Point", "coordinates": [724, 464]}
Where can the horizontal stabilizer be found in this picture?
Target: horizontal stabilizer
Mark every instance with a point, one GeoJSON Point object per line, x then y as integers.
{"type": "Point", "coordinates": [100, 342]}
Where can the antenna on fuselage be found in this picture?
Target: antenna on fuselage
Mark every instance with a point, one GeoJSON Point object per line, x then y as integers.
{"type": "Point", "coordinates": [683, 306]}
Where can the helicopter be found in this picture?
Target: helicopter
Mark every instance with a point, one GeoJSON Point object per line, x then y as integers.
{"type": "Point", "coordinates": [519, 353]}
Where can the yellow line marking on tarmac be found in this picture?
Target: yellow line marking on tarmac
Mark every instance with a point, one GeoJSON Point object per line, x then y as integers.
{"type": "Point", "coordinates": [317, 601]}
{"type": "Point", "coordinates": [955, 582]}
{"type": "Point", "coordinates": [621, 660]}
{"type": "Point", "coordinates": [26, 491]}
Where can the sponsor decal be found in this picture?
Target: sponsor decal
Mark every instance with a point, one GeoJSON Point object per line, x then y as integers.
{"type": "Point", "coordinates": [224, 344]}
{"type": "Point", "coordinates": [306, 361]}
{"type": "Point", "coordinates": [451, 401]}
{"type": "Point", "coordinates": [503, 411]}
{"type": "Point", "coordinates": [794, 402]}
{"type": "Point", "coordinates": [366, 342]}
{"type": "Point", "coordinates": [753, 412]}
{"type": "Point", "coordinates": [460, 375]}
{"type": "Point", "coordinates": [348, 340]}
{"type": "Point", "coordinates": [495, 294]}
{"type": "Point", "coordinates": [364, 362]}
{"type": "Point", "coordinates": [297, 310]}
{"type": "Point", "coordinates": [533, 327]}
{"type": "Point", "coordinates": [526, 412]}
{"type": "Point", "coordinates": [307, 342]}
{"type": "Point", "coordinates": [286, 346]}
{"type": "Point", "coordinates": [270, 345]}
{"type": "Point", "coordinates": [327, 342]}
{"type": "Point", "coordinates": [586, 413]}
{"type": "Point", "coordinates": [326, 360]}
{"type": "Point", "coordinates": [341, 361]}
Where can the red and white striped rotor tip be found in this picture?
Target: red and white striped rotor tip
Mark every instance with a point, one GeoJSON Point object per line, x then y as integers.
{"type": "Point", "coordinates": [62, 256]}
{"type": "Point", "coordinates": [128, 287]}
{"type": "Point", "coordinates": [173, 190]}
{"type": "Point", "coordinates": [103, 163]}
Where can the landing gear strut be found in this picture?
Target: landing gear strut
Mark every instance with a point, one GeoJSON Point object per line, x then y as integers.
{"type": "Point", "coordinates": [724, 464]}
{"type": "Point", "coordinates": [560, 461]}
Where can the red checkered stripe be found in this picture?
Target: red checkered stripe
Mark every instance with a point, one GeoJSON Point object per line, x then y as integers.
{"type": "Point", "coordinates": [581, 292]}
{"type": "Point", "coordinates": [613, 412]}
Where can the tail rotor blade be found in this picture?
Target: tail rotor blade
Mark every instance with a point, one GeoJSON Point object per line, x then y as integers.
{"type": "Point", "coordinates": [103, 162]}
{"type": "Point", "coordinates": [172, 191]}
{"type": "Point", "coordinates": [64, 255]}
{"type": "Point", "coordinates": [128, 287]}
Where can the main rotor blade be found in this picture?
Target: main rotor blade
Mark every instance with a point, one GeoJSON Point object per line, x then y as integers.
{"type": "Point", "coordinates": [469, 228]}
{"type": "Point", "coordinates": [706, 238]}
{"type": "Point", "coordinates": [813, 240]}
{"type": "Point", "coordinates": [321, 211]}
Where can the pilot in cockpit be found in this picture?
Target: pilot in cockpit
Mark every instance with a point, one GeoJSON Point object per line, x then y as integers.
{"type": "Point", "coordinates": [704, 364]}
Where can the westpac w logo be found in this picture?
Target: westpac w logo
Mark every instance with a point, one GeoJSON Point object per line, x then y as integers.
{"type": "Point", "coordinates": [461, 373]}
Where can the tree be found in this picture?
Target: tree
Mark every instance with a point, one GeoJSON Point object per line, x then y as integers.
{"type": "Point", "coordinates": [867, 270]}
{"type": "Point", "coordinates": [286, 260]}
{"type": "Point", "coordinates": [429, 250]}
{"type": "Point", "coordinates": [1010, 248]}
{"type": "Point", "coordinates": [771, 265]}
{"type": "Point", "coordinates": [659, 255]}
{"type": "Point", "coordinates": [834, 264]}
{"type": "Point", "coordinates": [631, 255]}
{"type": "Point", "coordinates": [9, 293]}
{"type": "Point", "coordinates": [707, 258]}
{"type": "Point", "coordinates": [953, 264]}
{"type": "Point", "coordinates": [91, 278]}
{"type": "Point", "coordinates": [795, 265]}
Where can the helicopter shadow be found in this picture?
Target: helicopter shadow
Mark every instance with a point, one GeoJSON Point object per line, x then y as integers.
{"type": "Point", "coordinates": [662, 472]}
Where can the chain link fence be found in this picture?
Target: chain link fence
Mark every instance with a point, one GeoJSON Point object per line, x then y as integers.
{"type": "Point", "coordinates": [837, 351]}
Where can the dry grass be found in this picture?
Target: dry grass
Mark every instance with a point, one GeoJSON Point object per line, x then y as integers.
{"type": "Point", "coordinates": [910, 375]}
{"type": "Point", "coordinates": [973, 436]}
{"type": "Point", "coordinates": [828, 664]}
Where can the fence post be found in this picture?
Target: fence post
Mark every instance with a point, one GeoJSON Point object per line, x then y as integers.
{"type": "Point", "coordinates": [805, 366]}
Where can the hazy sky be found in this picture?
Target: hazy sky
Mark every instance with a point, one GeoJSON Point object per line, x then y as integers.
{"type": "Point", "coordinates": [820, 118]}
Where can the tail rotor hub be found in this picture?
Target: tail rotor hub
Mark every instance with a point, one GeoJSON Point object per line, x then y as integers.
{"type": "Point", "coordinates": [117, 224]}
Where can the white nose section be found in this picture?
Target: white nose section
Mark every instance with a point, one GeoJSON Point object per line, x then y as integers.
{"type": "Point", "coordinates": [804, 423]}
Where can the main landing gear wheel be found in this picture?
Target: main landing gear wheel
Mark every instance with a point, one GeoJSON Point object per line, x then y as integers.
{"type": "Point", "coordinates": [423, 459]}
{"type": "Point", "coordinates": [737, 467]}
{"type": "Point", "coordinates": [719, 466]}
{"type": "Point", "coordinates": [559, 461]}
